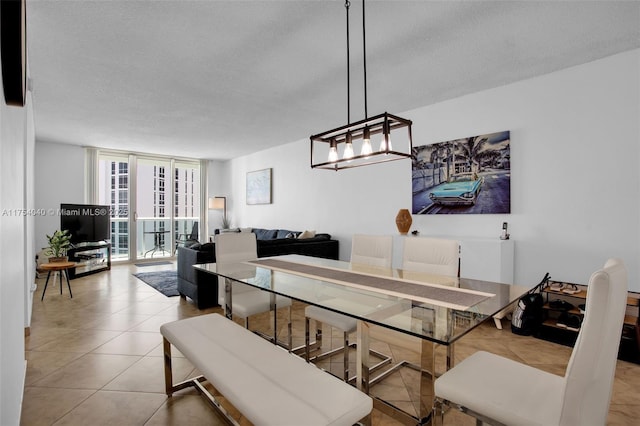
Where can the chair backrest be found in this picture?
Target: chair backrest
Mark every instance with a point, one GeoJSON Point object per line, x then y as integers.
{"type": "Point", "coordinates": [374, 250]}
{"type": "Point", "coordinates": [591, 369]}
{"type": "Point", "coordinates": [194, 232]}
{"type": "Point", "coordinates": [431, 255]}
{"type": "Point", "coordinates": [236, 247]}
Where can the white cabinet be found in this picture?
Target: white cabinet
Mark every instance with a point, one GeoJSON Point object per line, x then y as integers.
{"type": "Point", "coordinates": [487, 259]}
{"type": "Point", "coordinates": [490, 260]}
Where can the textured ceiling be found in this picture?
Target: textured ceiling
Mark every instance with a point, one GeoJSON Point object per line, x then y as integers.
{"type": "Point", "coordinates": [221, 79]}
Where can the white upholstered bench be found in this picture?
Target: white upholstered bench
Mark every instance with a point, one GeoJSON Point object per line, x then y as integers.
{"type": "Point", "coordinates": [268, 385]}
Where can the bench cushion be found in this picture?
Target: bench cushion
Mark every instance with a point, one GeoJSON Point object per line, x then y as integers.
{"type": "Point", "coordinates": [267, 384]}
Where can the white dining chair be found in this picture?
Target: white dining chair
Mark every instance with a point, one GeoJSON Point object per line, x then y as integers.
{"type": "Point", "coordinates": [498, 390]}
{"type": "Point", "coordinates": [247, 301]}
{"type": "Point", "coordinates": [436, 256]}
{"type": "Point", "coordinates": [370, 250]}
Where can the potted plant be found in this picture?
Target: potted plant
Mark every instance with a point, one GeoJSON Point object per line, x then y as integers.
{"type": "Point", "coordinates": [226, 222]}
{"type": "Point", "coordinates": [59, 243]}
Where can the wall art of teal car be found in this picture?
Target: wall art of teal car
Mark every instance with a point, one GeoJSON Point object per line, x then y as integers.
{"type": "Point", "coordinates": [460, 189]}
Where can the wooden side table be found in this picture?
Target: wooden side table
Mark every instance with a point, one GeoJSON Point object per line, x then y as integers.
{"type": "Point", "coordinates": [62, 267]}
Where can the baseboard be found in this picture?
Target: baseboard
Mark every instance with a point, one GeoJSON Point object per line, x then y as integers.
{"type": "Point", "coordinates": [24, 382]}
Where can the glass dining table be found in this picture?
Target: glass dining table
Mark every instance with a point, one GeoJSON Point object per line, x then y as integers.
{"type": "Point", "coordinates": [428, 310]}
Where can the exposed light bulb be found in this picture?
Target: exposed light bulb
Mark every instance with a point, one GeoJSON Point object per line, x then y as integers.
{"type": "Point", "coordinates": [348, 147]}
{"type": "Point", "coordinates": [366, 142]}
{"type": "Point", "coordinates": [366, 147]}
{"type": "Point", "coordinates": [333, 152]}
{"type": "Point", "coordinates": [348, 151]}
{"type": "Point", "coordinates": [383, 144]}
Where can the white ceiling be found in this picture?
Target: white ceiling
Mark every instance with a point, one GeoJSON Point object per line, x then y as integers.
{"type": "Point", "coordinates": [221, 79]}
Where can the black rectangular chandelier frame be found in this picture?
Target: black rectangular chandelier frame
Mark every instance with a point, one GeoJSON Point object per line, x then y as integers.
{"type": "Point", "coordinates": [384, 124]}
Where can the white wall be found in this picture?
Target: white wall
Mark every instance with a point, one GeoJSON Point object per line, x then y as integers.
{"type": "Point", "coordinates": [575, 146]}
{"type": "Point", "coordinates": [217, 187]}
{"type": "Point", "coordinates": [59, 178]}
{"type": "Point", "coordinates": [13, 252]}
{"type": "Point", "coordinates": [29, 202]}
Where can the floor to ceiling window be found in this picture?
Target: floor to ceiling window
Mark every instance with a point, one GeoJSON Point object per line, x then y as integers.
{"type": "Point", "coordinates": [155, 202]}
{"type": "Point", "coordinates": [186, 203]}
{"type": "Point", "coordinates": [113, 190]}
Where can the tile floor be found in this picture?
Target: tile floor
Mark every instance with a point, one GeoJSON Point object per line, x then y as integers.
{"type": "Point", "coordinates": [96, 359]}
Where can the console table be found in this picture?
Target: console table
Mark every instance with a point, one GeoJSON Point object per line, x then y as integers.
{"type": "Point", "coordinates": [89, 258]}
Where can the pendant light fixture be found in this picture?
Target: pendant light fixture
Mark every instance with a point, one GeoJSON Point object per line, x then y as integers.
{"type": "Point", "coordinates": [325, 146]}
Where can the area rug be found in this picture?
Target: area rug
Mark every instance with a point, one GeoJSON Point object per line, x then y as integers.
{"type": "Point", "coordinates": [140, 265]}
{"type": "Point", "coordinates": [166, 282]}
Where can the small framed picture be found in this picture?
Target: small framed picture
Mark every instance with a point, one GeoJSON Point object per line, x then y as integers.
{"type": "Point", "coordinates": [259, 187]}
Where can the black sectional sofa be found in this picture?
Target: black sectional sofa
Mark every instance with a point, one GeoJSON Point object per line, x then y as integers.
{"type": "Point", "coordinates": [202, 287]}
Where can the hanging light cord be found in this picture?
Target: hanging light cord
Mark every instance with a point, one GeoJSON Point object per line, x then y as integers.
{"type": "Point", "coordinates": [364, 61]}
{"type": "Point", "coordinates": [346, 5]}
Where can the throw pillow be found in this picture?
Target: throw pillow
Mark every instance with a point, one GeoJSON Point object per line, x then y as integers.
{"type": "Point", "coordinates": [245, 229]}
{"type": "Point", "coordinates": [307, 234]}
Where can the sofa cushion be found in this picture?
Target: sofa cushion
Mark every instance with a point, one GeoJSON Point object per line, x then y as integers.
{"type": "Point", "coordinates": [202, 247]}
{"type": "Point", "coordinates": [265, 234]}
{"type": "Point", "coordinates": [207, 247]}
{"type": "Point", "coordinates": [276, 242]}
{"type": "Point", "coordinates": [284, 233]}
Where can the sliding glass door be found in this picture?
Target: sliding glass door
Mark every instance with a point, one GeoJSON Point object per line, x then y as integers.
{"type": "Point", "coordinates": [155, 203]}
{"type": "Point", "coordinates": [153, 208]}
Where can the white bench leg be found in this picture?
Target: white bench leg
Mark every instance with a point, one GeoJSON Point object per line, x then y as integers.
{"type": "Point", "coordinates": [168, 372]}
{"type": "Point", "coordinates": [193, 382]}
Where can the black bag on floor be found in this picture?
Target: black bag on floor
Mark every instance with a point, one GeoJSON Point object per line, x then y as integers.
{"type": "Point", "coordinates": [527, 316]}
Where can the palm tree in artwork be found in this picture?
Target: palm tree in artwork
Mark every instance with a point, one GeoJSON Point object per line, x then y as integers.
{"type": "Point", "coordinates": [435, 164]}
{"type": "Point", "coordinates": [471, 148]}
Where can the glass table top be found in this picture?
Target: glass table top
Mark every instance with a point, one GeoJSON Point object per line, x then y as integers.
{"type": "Point", "coordinates": [438, 308]}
